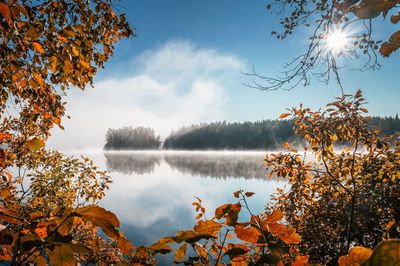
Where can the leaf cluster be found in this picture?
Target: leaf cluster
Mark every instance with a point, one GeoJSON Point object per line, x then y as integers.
{"type": "Point", "coordinates": [339, 198]}
{"type": "Point", "coordinates": [48, 201]}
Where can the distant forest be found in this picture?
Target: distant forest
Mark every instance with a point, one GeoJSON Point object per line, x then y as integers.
{"type": "Point", "coordinates": [128, 138]}
{"type": "Point", "coordinates": [260, 135]}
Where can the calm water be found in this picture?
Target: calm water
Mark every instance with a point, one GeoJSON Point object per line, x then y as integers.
{"type": "Point", "coordinates": [153, 191]}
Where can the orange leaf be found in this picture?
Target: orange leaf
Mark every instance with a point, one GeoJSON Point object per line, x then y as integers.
{"type": "Point", "coordinates": [38, 47]}
{"type": "Point", "coordinates": [201, 251]}
{"type": "Point", "coordinates": [395, 18]}
{"type": "Point", "coordinates": [250, 234]}
{"type": "Point", "coordinates": [356, 256]}
{"type": "Point", "coordinates": [285, 233]}
{"type": "Point", "coordinates": [162, 248]}
{"type": "Point", "coordinates": [249, 194]}
{"type": "Point", "coordinates": [181, 253]}
{"type": "Point", "coordinates": [300, 261]}
{"type": "Point", "coordinates": [4, 136]}
{"type": "Point", "coordinates": [292, 238]}
{"type": "Point", "coordinates": [392, 45]}
{"type": "Point", "coordinates": [221, 210]}
{"type": "Point", "coordinates": [207, 227]}
{"type": "Point", "coordinates": [5, 11]}
{"type": "Point", "coordinates": [190, 237]}
{"type": "Point", "coordinates": [364, 110]}
{"type": "Point", "coordinates": [236, 194]}
{"type": "Point", "coordinates": [35, 144]}
{"type": "Point", "coordinates": [5, 254]}
{"type": "Point", "coordinates": [275, 216]}
{"type": "Point", "coordinates": [284, 115]}
{"type": "Point", "coordinates": [125, 245]}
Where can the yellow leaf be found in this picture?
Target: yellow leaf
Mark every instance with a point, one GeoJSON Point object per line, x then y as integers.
{"type": "Point", "coordinates": [54, 64]}
{"type": "Point", "coordinates": [356, 256]}
{"type": "Point", "coordinates": [181, 253]}
{"type": "Point", "coordinates": [38, 47]}
{"type": "Point", "coordinates": [284, 115]}
{"type": "Point", "coordinates": [38, 78]}
{"type": "Point", "coordinates": [201, 251]}
{"type": "Point", "coordinates": [61, 254]}
{"type": "Point", "coordinates": [35, 144]}
{"type": "Point", "coordinates": [207, 227]}
{"type": "Point", "coordinates": [162, 248]}
{"type": "Point", "coordinates": [75, 51]}
{"type": "Point", "coordinates": [334, 138]}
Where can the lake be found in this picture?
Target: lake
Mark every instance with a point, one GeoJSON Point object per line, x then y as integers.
{"type": "Point", "coordinates": [153, 191]}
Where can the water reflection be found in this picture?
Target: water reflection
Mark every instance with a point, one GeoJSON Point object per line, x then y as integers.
{"type": "Point", "coordinates": [152, 191]}
{"type": "Point", "coordinates": [129, 163]}
{"type": "Point", "coordinates": [205, 164]}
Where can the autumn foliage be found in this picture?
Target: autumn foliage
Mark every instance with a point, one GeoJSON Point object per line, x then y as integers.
{"type": "Point", "coordinates": [342, 200]}
{"type": "Point", "coordinates": [48, 208]}
{"type": "Point", "coordinates": [339, 197]}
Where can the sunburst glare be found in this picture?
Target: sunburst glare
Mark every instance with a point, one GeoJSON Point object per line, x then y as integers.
{"type": "Point", "coordinates": [337, 40]}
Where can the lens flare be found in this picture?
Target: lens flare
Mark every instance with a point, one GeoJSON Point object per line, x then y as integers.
{"type": "Point", "coordinates": [337, 40]}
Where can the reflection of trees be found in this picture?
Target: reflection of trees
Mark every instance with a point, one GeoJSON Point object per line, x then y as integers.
{"type": "Point", "coordinates": [128, 163]}
{"type": "Point", "coordinates": [204, 164]}
{"type": "Point", "coordinates": [218, 165]}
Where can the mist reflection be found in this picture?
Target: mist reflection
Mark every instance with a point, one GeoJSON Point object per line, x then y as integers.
{"type": "Point", "coordinates": [129, 163]}
{"type": "Point", "coordinates": [204, 164]}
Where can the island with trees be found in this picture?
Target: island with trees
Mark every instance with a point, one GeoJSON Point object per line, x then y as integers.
{"type": "Point", "coordinates": [128, 138]}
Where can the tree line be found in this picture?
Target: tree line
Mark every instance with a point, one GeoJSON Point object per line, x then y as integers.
{"type": "Point", "coordinates": [259, 135]}
{"type": "Point", "coordinates": [128, 138]}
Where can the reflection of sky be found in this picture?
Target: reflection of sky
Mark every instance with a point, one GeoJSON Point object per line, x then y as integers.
{"type": "Point", "coordinates": [158, 204]}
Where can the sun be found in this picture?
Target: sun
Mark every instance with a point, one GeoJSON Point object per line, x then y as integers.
{"type": "Point", "coordinates": [337, 40]}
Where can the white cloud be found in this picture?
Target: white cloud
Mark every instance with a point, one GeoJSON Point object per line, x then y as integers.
{"type": "Point", "coordinates": [176, 84]}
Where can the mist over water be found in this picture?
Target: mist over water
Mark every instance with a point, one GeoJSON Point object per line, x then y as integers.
{"type": "Point", "coordinates": [212, 164]}
{"type": "Point", "coordinates": [153, 191]}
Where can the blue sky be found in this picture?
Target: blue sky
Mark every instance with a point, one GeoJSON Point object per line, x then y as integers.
{"type": "Point", "coordinates": [185, 66]}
